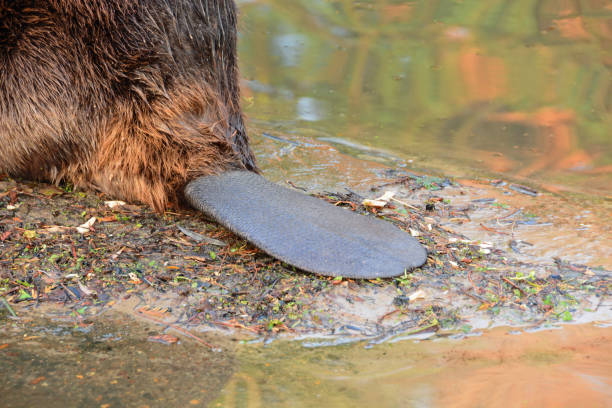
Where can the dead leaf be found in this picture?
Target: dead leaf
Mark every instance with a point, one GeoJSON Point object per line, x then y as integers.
{"type": "Point", "coordinates": [374, 203]}
{"type": "Point", "coordinates": [84, 228]}
{"type": "Point", "coordinates": [12, 197]}
{"type": "Point", "coordinates": [419, 294]}
{"type": "Point", "coordinates": [114, 204]}
{"type": "Point", "coordinates": [54, 229]}
{"type": "Point", "coordinates": [85, 289]}
{"type": "Point", "coordinates": [381, 201]}
{"type": "Point", "coordinates": [37, 380]}
{"type": "Point", "coordinates": [107, 219]}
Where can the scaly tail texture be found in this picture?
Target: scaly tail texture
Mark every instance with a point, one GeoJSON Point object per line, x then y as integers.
{"type": "Point", "coordinates": [304, 231]}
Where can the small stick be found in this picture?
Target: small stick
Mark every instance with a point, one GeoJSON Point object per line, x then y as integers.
{"type": "Point", "coordinates": [179, 329]}
{"type": "Point", "coordinates": [383, 317]}
{"type": "Point", "coordinates": [469, 276]}
{"type": "Point", "coordinates": [484, 227]}
{"type": "Point", "coordinates": [8, 307]}
{"type": "Point", "coordinates": [513, 285]}
{"type": "Point", "coordinates": [404, 203]}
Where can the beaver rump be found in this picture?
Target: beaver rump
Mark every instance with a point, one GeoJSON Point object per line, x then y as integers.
{"type": "Point", "coordinates": [139, 99]}
{"type": "Point", "coordinates": [133, 98]}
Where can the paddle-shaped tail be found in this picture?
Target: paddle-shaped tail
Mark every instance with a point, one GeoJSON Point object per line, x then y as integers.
{"type": "Point", "coordinates": [304, 231]}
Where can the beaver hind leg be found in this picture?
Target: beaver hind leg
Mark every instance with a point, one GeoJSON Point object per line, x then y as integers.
{"type": "Point", "coordinates": [304, 231]}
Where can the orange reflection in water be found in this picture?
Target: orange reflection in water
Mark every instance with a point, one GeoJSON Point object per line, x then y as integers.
{"type": "Point", "coordinates": [556, 140]}
{"type": "Point", "coordinates": [569, 368]}
{"type": "Point", "coordinates": [397, 12]}
{"type": "Point", "coordinates": [566, 368]}
{"type": "Point", "coordinates": [439, 83]}
{"type": "Point", "coordinates": [572, 27]}
{"type": "Point", "coordinates": [484, 76]}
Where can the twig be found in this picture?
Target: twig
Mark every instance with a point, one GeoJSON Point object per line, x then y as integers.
{"type": "Point", "coordinates": [469, 276]}
{"type": "Point", "coordinates": [484, 227]}
{"type": "Point", "coordinates": [383, 317]}
{"type": "Point", "coordinates": [8, 307]}
{"type": "Point", "coordinates": [405, 204]}
{"type": "Point", "coordinates": [513, 285]}
{"type": "Point", "coordinates": [179, 329]}
{"type": "Point", "coordinates": [542, 320]}
{"type": "Point", "coordinates": [476, 297]}
{"type": "Point", "coordinates": [234, 324]}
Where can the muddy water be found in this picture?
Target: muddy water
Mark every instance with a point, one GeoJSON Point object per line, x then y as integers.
{"type": "Point", "coordinates": [504, 88]}
{"type": "Point", "coordinates": [504, 368]}
{"type": "Point", "coordinates": [115, 363]}
{"type": "Point", "coordinates": [109, 362]}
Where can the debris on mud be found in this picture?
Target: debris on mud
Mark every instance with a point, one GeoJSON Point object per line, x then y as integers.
{"type": "Point", "coordinates": [71, 249]}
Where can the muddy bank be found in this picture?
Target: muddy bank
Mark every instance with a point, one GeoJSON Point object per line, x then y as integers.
{"type": "Point", "coordinates": [71, 253]}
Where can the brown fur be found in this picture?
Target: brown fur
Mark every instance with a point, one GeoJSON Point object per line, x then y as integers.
{"type": "Point", "coordinates": [133, 98]}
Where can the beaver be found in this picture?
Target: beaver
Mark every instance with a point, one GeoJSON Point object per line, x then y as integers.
{"type": "Point", "coordinates": [140, 100]}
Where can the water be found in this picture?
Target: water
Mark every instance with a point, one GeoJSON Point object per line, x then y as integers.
{"type": "Point", "coordinates": [517, 89]}
{"type": "Point", "coordinates": [111, 364]}
{"type": "Point", "coordinates": [552, 368]}
{"type": "Point", "coordinates": [106, 363]}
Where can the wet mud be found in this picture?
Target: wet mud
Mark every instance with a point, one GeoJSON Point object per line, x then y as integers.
{"type": "Point", "coordinates": [201, 277]}
{"type": "Point", "coordinates": [111, 362]}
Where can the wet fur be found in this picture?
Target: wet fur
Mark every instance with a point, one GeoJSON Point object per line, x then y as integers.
{"type": "Point", "coordinates": [133, 98]}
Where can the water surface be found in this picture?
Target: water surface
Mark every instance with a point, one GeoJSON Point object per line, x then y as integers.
{"type": "Point", "coordinates": [504, 368]}
{"type": "Point", "coordinates": [519, 89]}
{"type": "Point", "coordinates": [109, 363]}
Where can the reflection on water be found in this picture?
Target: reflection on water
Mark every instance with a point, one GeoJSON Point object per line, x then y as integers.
{"type": "Point", "coordinates": [520, 88]}
{"type": "Point", "coordinates": [112, 362]}
{"type": "Point", "coordinates": [553, 368]}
